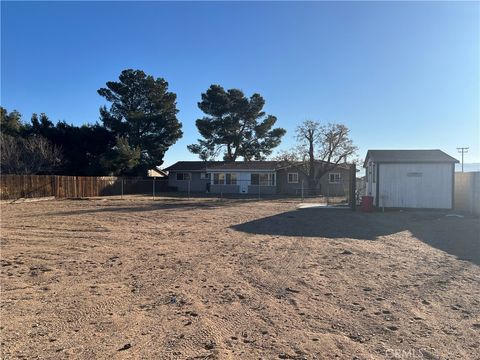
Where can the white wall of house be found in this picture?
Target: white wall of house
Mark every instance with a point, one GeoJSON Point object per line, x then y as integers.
{"type": "Point", "coordinates": [195, 184]}
{"type": "Point", "coordinates": [243, 180]}
{"type": "Point", "coordinates": [415, 185]}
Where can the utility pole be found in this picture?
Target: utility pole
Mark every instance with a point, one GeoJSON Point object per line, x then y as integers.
{"type": "Point", "coordinates": [462, 150]}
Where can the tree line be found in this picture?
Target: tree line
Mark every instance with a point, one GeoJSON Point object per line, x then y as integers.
{"type": "Point", "coordinates": [140, 125]}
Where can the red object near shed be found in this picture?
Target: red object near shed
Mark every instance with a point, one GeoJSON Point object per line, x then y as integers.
{"type": "Point", "coordinates": [367, 203]}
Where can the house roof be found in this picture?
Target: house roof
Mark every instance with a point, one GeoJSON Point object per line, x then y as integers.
{"type": "Point", "coordinates": [189, 166]}
{"type": "Point", "coordinates": [244, 165]}
{"type": "Point", "coordinates": [222, 165]}
{"type": "Point", "coordinates": [228, 165]}
{"type": "Point", "coordinates": [409, 156]}
{"type": "Point", "coordinates": [288, 165]}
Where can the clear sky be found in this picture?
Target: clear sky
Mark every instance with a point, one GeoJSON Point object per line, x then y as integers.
{"type": "Point", "coordinates": [399, 75]}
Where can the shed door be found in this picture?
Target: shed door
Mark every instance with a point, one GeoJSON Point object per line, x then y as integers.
{"type": "Point", "coordinates": [416, 185]}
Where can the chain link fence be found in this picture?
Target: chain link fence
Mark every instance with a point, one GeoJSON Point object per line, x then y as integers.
{"type": "Point", "coordinates": [15, 187]}
{"type": "Point", "coordinates": [266, 189]}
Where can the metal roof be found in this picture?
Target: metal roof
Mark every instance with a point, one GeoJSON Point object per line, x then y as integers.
{"type": "Point", "coordinates": [409, 156]}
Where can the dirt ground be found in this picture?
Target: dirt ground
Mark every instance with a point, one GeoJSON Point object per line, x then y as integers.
{"type": "Point", "coordinates": [236, 279]}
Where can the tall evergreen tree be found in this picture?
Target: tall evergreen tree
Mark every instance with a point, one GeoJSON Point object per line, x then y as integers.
{"type": "Point", "coordinates": [235, 125]}
{"type": "Point", "coordinates": [122, 158]}
{"type": "Point", "coordinates": [82, 146]}
{"type": "Point", "coordinates": [11, 122]}
{"type": "Point", "coordinates": [144, 113]}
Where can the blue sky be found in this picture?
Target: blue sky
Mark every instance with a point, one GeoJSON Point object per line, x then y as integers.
{"type": "Point", "coordinates": [399, 75]}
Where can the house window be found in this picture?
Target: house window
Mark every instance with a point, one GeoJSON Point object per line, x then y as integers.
{"type": "Point", "coordinates": [271, 179]}
{"type": "Point", "coordinates": [262, 179]}
{"type": "Point", "coordinates": [204, 176]}
{"type": "Point", "coordinates": [218, 178]}
{"type": "Point", "coordinates": [334, 178]}
{"type": "Point", "coordinates": [231, 179]}
{"type": "Point", "coordinates": [292, 178]}
{"type": "Point", "coordinates": [183, 176]}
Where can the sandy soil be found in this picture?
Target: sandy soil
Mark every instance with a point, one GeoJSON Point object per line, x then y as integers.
{"type": "Point", "coordinates": [232, 279]}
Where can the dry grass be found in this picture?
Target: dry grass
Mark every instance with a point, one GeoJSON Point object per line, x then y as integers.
{"type": "Point", "coordinates": [232, 279]}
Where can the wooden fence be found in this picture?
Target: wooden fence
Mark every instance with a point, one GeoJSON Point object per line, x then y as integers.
{"type": "Point", "coordinates": [34, 186]}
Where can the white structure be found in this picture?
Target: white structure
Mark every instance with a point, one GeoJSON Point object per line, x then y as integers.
{"type": "Point", "coordinates": [467, 192]}
{"type": "Point", "coordinates": [410, 178]}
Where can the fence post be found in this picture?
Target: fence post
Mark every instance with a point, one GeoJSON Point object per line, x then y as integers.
{"type": "Point", "coordinates": [302, 191]}
{"type": "Point", "coordinates": [189, 188]}
{"type": "Point", "coordinates": [153, 188]}
{"type": "Point", "coordinates": [121, 196]}
{"type": "Point", "coordinates": [353, 187]}
{"type": "Point", "coordinates": [328, 193]}
{"type": "Point", "coordinates": [259, 190]}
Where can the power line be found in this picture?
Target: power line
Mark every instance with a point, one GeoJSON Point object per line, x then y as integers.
{"type": "Point", "coordinates": [462, 150]}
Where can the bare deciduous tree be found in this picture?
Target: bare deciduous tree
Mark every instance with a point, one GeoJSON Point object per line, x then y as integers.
{"type": "Point", "coordinates": [319, 149]}
{"type": "Point", "coordinates": [30, 155]}
{"type": "Point", "coordinates": [10, 154]}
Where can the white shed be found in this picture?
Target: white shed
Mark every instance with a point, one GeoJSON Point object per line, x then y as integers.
{"type": "Point", "coordinates": [410, 178]}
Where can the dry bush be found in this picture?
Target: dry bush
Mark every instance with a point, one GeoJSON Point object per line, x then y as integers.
{"type": "Point", "coordinates": [31, 155]}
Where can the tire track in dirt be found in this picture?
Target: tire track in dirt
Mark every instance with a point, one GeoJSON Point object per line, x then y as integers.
{"type": "Point", "coordinates": [79, 315]}
{"type": "Point", "coordinates": [155, 268]}
{"type": "Point", "coordinates": [209, 330]}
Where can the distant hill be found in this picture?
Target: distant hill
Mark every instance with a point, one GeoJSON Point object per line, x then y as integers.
{"type": "Point", "coordinates": [468, 167]}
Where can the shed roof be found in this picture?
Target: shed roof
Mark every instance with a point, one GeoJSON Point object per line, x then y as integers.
{"type": "Point", "coordinates": [409, 156]}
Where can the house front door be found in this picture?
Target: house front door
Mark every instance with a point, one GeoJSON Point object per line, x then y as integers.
{"type": "Point", "coordinates": [243, 187]}
{"type": "Point", "coordinates": [243, 182]}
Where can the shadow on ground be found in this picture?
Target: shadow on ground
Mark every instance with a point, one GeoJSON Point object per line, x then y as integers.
{"type": "Point", "coordinates": [457, 236]}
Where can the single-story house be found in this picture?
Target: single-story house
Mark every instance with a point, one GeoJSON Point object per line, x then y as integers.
{"type": "Point", "coordinates": [410, 178]}
{"type": "Point", "coordinates": [252, 177]}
